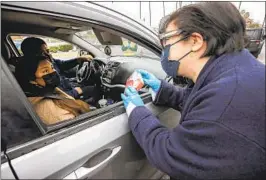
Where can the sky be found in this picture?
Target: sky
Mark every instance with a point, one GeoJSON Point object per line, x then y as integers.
{"type": "Point", "coordinates": [132, 9]}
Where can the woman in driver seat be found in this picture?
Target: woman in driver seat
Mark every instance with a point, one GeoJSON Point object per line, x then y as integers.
{"type": "Point", "coordinates": [40, 81]}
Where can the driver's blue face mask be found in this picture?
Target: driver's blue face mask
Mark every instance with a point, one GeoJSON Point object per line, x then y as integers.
{"type": "Point", "coordinates": [171, 66]}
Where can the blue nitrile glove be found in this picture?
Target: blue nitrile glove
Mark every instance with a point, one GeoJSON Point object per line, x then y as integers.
{"type": "Point", "coordinates": [150, 80]}
{"type": "Point", "coordinates": [131, 99]}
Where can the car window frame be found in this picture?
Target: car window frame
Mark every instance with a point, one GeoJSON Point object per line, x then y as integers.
{"type": "Point", "coordinates": [57, 126]}
{"type": "Point", "coordinates": [46, 129]}
{"type": "Point", "coordinates": [53, 134]}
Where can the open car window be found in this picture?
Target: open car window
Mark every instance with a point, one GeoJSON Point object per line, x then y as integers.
{"type": "Point", "coordinates": [61, 109]}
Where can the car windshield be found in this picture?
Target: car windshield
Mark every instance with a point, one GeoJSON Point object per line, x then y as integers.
{"type": "Point", "coordinates": [254, 33]}
{"type": "Point", "coordinates": [128, 48]}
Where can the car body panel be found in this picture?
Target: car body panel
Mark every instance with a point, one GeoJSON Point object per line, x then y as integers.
{"type": "Point", "coordinates": [95, 14]}
{"type": "Point", "coordinates": [40, 163]}
{"type": "Point", "coordinates": [256, 40]}
{"type": "Point", "coordinates": [79, 148]}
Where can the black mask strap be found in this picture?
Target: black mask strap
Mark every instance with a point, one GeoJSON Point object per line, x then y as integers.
{"type": "Point", "coordinates": [182, 56]}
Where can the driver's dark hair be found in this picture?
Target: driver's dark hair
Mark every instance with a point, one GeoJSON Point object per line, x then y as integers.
{"type": "Point", "coordinates": [220, 24]}
{"type": "Point", "coordinates": [31, 46]}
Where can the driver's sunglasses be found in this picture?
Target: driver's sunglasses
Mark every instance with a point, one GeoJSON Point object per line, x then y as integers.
{"type": "Point", "coordinates": [166, 36]}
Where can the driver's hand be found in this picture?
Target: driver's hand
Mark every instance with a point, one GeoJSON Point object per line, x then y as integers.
{"type": "Point", "coordinates": [79, 90]}
{"type": "Point", "coordinates": [85, 58]}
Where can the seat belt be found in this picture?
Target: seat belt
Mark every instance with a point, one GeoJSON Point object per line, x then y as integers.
{"type": "Point", "coordinates": [4, 148]}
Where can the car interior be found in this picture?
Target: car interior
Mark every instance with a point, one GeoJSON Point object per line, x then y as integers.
{"type": "Point", "coordinates": [110, 71]}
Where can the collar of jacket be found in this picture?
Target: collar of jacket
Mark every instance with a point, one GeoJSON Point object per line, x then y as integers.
{"type": "Point", "coordinates": [212, 62]}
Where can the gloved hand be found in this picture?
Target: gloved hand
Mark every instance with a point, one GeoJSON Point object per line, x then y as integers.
{"type": "Point", "coordinates": [150, 80]}
{"type": "Point", "coordinates": [131, 99]}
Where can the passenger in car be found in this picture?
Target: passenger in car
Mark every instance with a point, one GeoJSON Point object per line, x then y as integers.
{"type": "Point", "coordinates": [40, 81]}
{"type": "Point", "coordinates": [35, 46]}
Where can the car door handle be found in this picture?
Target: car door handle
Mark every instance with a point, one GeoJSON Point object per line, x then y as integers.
{"type": "Point", "coordinates": [92, 166]}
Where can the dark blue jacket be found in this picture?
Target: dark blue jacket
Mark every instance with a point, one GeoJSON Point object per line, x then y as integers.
{"type": "Point", "coordinates": [61, 66]}
{"type": "Point", "coordinates": [222, 128]}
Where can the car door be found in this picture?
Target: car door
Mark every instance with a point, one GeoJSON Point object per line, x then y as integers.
{"type": "Point", "coordinates": [104, 150]}
{"type": "Point", "coordinates": [100, 146]}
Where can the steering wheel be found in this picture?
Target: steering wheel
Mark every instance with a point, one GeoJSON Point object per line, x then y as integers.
{"type": "Point", "coordinates": [86, 69]}
{"type": "Point", "coordinates": [83, 72]}
{"type": "Point", "coordinates": [96, 67]}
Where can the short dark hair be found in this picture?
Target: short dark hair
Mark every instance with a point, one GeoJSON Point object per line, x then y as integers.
{"type": "Point", "coordinates": [163, 23]}
{"type": "Point", "coordinates": [220, 24]}
{"type": "Point", "coordinates": [32, 45]}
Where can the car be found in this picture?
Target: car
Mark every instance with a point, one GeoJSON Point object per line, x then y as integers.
{"type": "Point", "coordinates": [98, 144]}
{"type": "Point", "coordinates": [256, 37]}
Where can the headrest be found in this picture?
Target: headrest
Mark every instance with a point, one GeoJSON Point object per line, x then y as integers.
{"type": "Point", "coordinates": [15, 60]}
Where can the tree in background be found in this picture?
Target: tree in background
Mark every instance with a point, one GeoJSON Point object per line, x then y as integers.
{"type": "Point", "coordinates": [249, 22]}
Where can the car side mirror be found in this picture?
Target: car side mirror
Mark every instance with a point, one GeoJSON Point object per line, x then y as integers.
{"type": "Point", "coordinates": [264, 37]}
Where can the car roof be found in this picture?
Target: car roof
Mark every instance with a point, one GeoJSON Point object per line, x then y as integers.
{"type": "Point", "coordinates": [92, 12]}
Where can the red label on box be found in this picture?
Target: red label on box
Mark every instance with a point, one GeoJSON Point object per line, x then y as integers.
{"type": "Point", "coordinates": [135, 80]}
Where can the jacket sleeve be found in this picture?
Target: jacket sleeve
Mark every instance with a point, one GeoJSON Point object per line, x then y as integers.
{"type": "Point", "coordinates": [195, 149]}
{"type": "Point", "coordinates": [65, 65]}
{"type": "Point", "coordinates": [170, 95]}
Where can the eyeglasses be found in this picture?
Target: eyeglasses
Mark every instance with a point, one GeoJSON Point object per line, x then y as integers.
{"type": "Point", "coordinates": [166, 36]}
